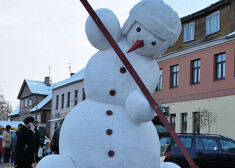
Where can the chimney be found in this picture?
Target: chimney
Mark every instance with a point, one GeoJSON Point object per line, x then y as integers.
{"type": "Point", "coordinates": [71, 74]}
{"type": "Point", "coordinates": [47, 81]}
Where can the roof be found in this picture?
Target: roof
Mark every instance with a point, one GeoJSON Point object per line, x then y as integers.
{"type": "Point", "coordinates": [203, 12]}
{"type": "Point", "coordinates": [42, 103]}
{"type": "Point", "coordinates": [15, 112]}
{"type": "Point", "coordinates": [79, 76]}
{"type": "Point", "coordinates": [38, 87]}
{"type": "Point", "coordinates": [13, 124]}
{"type": "Point", "coordinates": [229, 36]}
{"type": "Point", "coordinates": [56, 119]}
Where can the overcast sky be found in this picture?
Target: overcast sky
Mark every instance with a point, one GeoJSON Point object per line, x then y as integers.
{"type": "Point", "coordinates": [36, 34]}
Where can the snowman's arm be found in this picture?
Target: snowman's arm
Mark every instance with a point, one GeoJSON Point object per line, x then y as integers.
{"type": "Point", "coordinates": [138, 107]}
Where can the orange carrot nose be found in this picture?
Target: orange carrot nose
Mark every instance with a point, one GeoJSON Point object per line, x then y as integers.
{"type": "Point", "coordinates": [136, 45]}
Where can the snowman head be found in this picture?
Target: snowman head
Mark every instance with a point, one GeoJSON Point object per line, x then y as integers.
{"type": "Point", "coordinates": [158, 22]}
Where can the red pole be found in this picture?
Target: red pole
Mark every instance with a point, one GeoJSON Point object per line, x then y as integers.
{"type": "Point", "coordinates": [139, 82]}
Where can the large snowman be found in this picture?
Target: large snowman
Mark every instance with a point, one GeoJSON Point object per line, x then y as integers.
{"type": "Point", "coordinates": [112, 128]}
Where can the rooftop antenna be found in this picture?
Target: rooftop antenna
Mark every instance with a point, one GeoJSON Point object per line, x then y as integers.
{"type": "Point", "coordinates": [50, 74]}
{"type": "Point", "coordinates": [70, 67]}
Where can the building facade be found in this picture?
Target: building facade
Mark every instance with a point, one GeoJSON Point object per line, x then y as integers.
{"type": "Point", "coordinates": [35, 100]}
{"type": "Point", "coordinates": [198, 73]}
{"type": "Point", "coordinates": [65, 96]}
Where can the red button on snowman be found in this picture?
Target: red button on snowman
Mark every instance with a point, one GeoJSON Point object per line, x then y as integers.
{"type": "Point", "coordinates": [112, 128]}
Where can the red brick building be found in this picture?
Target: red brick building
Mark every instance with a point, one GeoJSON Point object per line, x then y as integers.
{"type": "Point", "coordinates": [198, 72]}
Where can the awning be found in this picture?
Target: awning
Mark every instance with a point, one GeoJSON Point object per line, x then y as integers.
{"type": "Point", "coordinates": [56, 119]}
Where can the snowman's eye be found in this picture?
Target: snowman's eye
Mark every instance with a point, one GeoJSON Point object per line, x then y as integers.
{"type": "Point", "coordinates": [138, 29]}
{"type": "Point", "coordinates": [154, 43]}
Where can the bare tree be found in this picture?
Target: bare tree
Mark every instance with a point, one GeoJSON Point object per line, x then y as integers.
{"type": "Point", "coordinates": [207, 118]}
{"type": "Point", "coordinates": [5, 107]}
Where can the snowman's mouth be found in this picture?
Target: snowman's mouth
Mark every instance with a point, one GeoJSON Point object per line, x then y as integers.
{"type": "Point", "coordinates": [136, 45]}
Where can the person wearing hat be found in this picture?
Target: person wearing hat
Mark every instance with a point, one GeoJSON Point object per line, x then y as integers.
{"type": "Point", "coordinates": [6, 144]}
{"type": "Point", "coordinates": [26, 144]}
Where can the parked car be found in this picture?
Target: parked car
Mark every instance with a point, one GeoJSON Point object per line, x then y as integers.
{"type": "Point", "coordinates": [207, 151]}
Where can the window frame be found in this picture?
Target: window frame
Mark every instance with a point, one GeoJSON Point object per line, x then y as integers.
{"type": "Point", "coordinates": [68, 99]}
{"type": "Point", "coordinates": [212, 24]}
{"type": "Point", "coordinates": [223, 66]}
{"type": "Point", "coordinates": [191, 27]}
{"type": "Point", "coordinates": [30, 101]}
{"type": "Point", "coordinates": [176, 74]}
{"type": "Point", "coordinates": [75, 97]}
{"type": "Point", "coordinates": [196, 125]}
{"type": "Point", "coordinates": [83, 94]}
{"type": "Point", "coordinates": [62, 100]}
{"type": "Point", "coordinates": [184, 123]}
{"type": "Point", "coordinates": [57, 102]}
{"type": "Point", "coordinates": [198, 71]}
{"type": "Point", "coordinates": [159, 86]}
{"type": "Point", "coordinates": [26, 102]}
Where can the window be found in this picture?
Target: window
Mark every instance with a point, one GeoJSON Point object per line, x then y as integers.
{"type": "Point", "coordinates": [172, 120]}
{"type": "Point", "coordinates": [26, 102]}
{"type": "Point", "coordinates": [57, 102]}
{"type": "Point", "coordinates": [199, 144]}
{"type": "Point", "coordinates": [213, 23]}
{"type": "Point", "coordinates": [75, 97]}
{"type": "Point", "coordinates": [68, 99]}
{"type": "Point", "coordinates": [62, 101]}
{"type": "Point", "coordinates": [189, 31]}
{"type": "Point", "coordinates": [186, 141]}
{"type": "Point", "coordinates": [184, 122]}
{"type": "Point", "coordinates": [83, 94]}
{"type": "Point", "coordinates": [174, 76]}
{"type": "Point", "coordinates": [228, 145]}
{"type": "Point", "coordinates": [220, 66]}
{"type": "Point", "coordinates": [30, 101]}
{"type": "Point", "coordinates": [22, 103]}
{"type": "Point", "coordinates": [209, 144]}
{"type": "Point", "coordinates": [196, 122]}
{"type": "Point", "coordinates": [159, 86]}
{"type": "Point", "coordinates": [196, 71]}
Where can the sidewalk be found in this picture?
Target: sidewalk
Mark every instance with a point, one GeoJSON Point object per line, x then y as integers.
{"type": "Point", "coordinates": [2, 165]}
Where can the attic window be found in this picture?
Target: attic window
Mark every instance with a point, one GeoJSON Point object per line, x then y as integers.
{"type": "Point", "coordinates": [213, 23]}
{"type": "Point", "coordinates": [189, 32]}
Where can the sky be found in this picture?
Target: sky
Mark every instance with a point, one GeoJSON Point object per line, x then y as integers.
{"type": "Point", "coordinates": [38, 34]}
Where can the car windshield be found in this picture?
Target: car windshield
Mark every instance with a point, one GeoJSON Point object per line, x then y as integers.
{"type": "Point", "coordinates": [228, 145]}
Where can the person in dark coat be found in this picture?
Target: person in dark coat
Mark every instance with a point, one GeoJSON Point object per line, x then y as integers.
{"type": "Point", "coordinates": [26, 144]}
{"type": "Point", "coordinates": [13, 142]}
{"type": "Point", "coordinates": [36, 123]}
{"type": "Point", "coordinates": [55, 140]}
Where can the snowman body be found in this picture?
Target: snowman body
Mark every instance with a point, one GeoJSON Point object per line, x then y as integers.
{"type": "Point", "coordinates": [113, 127]}
{"type": "Point", "coordinates": [104, 134]}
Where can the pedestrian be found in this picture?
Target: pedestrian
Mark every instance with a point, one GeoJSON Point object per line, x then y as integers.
{"type": "Point", "coordinates": [36, 123]}
{"type": "Point", "coordinates": [42, 133]}
{"type": "Point", "coordinates": [26, 144]}
{"type": "Point", "coordinates": [6, 144]}
{"type": "Point", "coordinates": [1, 149]}
{"type": "Point", "coordinates": [13, 143]}
{"type": "Point", "coordinates": [55, 139]}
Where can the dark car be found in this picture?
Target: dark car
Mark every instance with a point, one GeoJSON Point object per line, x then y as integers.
{"type": "Point", "coordinates": [207, 151]}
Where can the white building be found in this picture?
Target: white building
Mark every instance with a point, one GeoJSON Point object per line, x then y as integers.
{"type": "Point", "coordinates": [65, 95]}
